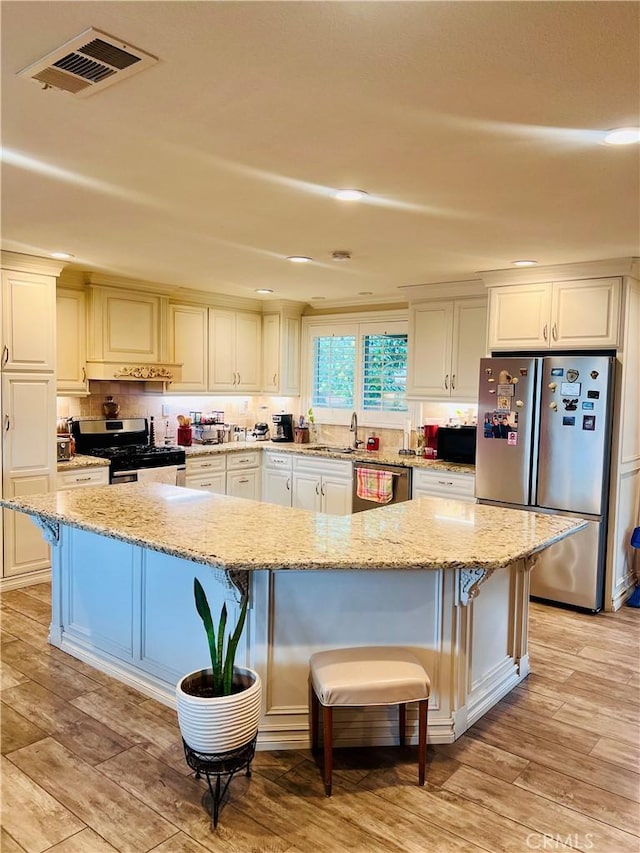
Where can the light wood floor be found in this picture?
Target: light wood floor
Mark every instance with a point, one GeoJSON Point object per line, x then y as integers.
{"type": "Point", "coordinates": [90, 766]}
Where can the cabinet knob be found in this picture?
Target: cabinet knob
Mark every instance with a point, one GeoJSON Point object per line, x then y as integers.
{"type": "Point", "coordinates": [244, 480]}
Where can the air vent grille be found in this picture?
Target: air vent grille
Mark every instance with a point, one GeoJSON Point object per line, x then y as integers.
{"type": "Point", "coordinates": [88, 63]}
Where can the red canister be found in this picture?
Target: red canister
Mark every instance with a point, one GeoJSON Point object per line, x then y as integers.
{"type": "Point", "coordinates": [373, 443]}
{"type": "Point", "coordinates": [184, 436]}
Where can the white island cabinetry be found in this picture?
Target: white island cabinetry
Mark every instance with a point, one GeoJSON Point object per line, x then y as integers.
{"type": "Point", "coordinates": [125, 559]}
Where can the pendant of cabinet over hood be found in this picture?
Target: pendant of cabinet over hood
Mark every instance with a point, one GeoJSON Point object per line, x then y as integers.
{"type": "Point", "coordinates": [125, 336]}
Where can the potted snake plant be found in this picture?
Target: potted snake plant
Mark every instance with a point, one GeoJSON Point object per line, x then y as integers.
{"type": "Point", "coordinates": [219, 707]}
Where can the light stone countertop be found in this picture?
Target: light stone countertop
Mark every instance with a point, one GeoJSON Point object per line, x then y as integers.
{"type": "Point", "coordinates": [236, 534]}
{"type": "Point", "coordinates": [80, 461]}
{"type": "Point", "coordinates": [386, 457]}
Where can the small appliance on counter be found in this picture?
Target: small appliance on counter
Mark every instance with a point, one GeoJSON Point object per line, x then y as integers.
{"type": "Point", "coordinates": [373, 443]}
{"type": "Point", "coordinates": [64, 452]}
{"type": "Point", "coordinates": [457, 444]}
{"type": "Point", "coordinates": [284, 427]}
{"type": "Point", "coordinates": [261, 432]}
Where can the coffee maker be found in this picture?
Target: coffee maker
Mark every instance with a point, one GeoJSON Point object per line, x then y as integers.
{"type": "Point", "coordinates": [284, 427]}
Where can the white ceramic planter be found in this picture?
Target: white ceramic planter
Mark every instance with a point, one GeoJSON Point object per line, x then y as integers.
{"type": "Point", "coordinates": [220, 723]}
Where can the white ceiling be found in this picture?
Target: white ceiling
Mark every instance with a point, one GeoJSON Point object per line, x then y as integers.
{"type": "Point", "coordinates": [476, 128]}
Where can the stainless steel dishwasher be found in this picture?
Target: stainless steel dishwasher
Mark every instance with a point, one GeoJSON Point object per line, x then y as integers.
{"type": "Point", "coordinates": [401, 484]}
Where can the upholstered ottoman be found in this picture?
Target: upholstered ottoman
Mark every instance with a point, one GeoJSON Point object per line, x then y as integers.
{"type": "Point", "coordinates": [367, 675]}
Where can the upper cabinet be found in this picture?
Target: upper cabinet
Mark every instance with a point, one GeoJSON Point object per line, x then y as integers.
{"type": "Point", "coordinates": [127, 335]}
{"type": "Point", "coordinates": [188, 345]}
{"type": "Point", "coordinates": [581, 314]}
{"type": "Point", "coordinates": [28, 329]}
{"type": "Point", "coordinates": [447, 339]}
{"type": "Point", "coordinates": [281, 353]}
{"type": "Point", "coordinates": [71, 342]}
{"type": "Point", "coordinates": [234, 350]}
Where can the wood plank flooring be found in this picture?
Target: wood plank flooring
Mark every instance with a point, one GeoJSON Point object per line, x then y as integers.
{"type": "Point", "coordinates": [91, 766]}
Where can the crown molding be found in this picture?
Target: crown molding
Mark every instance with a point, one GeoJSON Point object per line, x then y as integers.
{"type": "Point", "coordinates": [104, 280]}
{"type": "Point", "coordinates": [562, 272]}
{"type": "Point", "coordinates": [444, 289]}
{"type": "Point", "coordinates": [30, 263]}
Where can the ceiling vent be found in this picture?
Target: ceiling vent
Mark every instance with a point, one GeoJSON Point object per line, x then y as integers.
{"type": "Point", "coordinates": [88, 63]}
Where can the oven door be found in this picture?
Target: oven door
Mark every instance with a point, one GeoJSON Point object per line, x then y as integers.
{"type": "Point", "coordinates": [172, 475]}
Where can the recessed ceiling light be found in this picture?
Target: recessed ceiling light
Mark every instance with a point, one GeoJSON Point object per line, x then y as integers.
{"type": "Point", "coordinates": [263, 290]}
{"type": "Point", "coordinates": [623, 136]}
{"type": "Point", "coordinates": [316, 298]}
{"type": "Point", "coordinates": [62, 256]}
{"type": "Point", "coordinates": [299, 259]}
{"type": "Point", "coordinates": [524, 263]}
{"type": "Point", "coordinates": [350, 195]}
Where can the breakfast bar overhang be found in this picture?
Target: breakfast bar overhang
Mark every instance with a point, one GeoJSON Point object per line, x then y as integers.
{"type": "Point", "coordinates": [447, 579]}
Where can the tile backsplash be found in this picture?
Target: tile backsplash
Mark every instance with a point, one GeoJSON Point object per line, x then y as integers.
{"type": "Point", "coordinates": [136, 400]}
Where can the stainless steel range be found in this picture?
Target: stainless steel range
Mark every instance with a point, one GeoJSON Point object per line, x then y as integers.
{"type": "Point", "coordinates": [125, 443]}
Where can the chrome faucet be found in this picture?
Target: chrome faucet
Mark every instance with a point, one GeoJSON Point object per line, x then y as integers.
{"type": "Point", "coordinates": [354, 429]}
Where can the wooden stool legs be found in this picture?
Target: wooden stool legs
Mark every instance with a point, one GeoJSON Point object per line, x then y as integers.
{"type": "Point", "coordinates": [327, 735]}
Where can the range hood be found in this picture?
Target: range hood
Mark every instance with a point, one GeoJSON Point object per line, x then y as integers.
{"type": "Point", "coordinates": [134, 371]}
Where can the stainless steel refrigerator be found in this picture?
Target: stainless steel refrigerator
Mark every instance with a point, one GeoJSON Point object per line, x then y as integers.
{"type": "Point", "coordinates": [544, 444]}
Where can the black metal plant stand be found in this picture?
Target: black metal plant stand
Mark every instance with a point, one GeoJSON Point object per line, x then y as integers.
{"type": "Point", "coordinates": [220, 764]}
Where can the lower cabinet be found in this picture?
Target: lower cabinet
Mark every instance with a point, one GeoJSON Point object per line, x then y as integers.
{"type": "Point", "coordinates": [324, 486]}
{"type": "Point", "coordinates": [81, 477]}
{"type": "Point", "coordinates": [208, 473]}
{"type": "Point", "coordinates": [445, 484]}
{"type": "Point", "coordinates": [277, 474]}
{"type": "Point", "coordinates": [236, 474]}
{"type": "Point", "coordinates": [243, 475]}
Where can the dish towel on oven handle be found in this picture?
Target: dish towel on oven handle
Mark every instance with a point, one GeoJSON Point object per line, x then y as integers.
{"type": "Point", "coordinates": [374, 485]}
{"type": "Point", "coordinates": [166, 474]}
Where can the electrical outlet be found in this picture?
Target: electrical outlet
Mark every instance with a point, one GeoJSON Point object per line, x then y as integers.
{"type": "Point", "coordinates": [165, 410]}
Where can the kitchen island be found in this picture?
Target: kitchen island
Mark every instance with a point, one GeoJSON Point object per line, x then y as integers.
{"type": "Point", "coordinates": [447, 578]}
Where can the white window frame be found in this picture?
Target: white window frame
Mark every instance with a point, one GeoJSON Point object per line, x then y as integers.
{"type": "Point", "coordinates": [374, 323]}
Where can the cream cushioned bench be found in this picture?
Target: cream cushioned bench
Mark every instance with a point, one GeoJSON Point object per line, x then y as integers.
{"type": "Point", "coordinates": [367, 675]}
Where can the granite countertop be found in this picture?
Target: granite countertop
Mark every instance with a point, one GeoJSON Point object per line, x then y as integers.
{"type": "Point", "coordinates": [80, 461]}
{"type": "Point", "coordinates": [386, 457]}
{"type": "Point", "coordinates": [236, 534]}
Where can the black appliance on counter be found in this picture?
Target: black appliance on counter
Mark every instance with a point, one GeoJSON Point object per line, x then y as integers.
{"type": "Point", "coordinates": [284, 427]}
{"type": "Point", "coordinates": [457, 444]}
{"type": "Point", "coordinates": [125, 443]}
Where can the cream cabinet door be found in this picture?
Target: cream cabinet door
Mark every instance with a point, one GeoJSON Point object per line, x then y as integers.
{"type": "Point", "coordinates": [130, 326]}
{"type": "Point", "coordinates": [429, 356]}
{"type": "Point", "coordinates": [276, 487]}
{"type": "Point", "coordinates": [188, 345]}
{"type": "Point", "coordinates": [222, 355]}
{"type": "Point", "coordinates": [28, 327]}
{"type": "Point", "coordinates": [244, 484]}
{"type": "Point", "coordinates": [248, 351]}
{"type": "Point", "coordinates": [468, 347]}
{"type": "Point", "coordinates": [71, 342]}
{"type": "Point", "coordinates": [271, 353]}
{"type": "Point", "coordinates": [586, 313]}
{"type": "Point", "coordinates": [25, 549]}
{"type": "Point", "coordinates": [281, 355]}
{"type": "Point", "coordinates": [337, 495]}
{"type": "Point", "coordinates": [519, 316]}
{"type": "Point", "coordinates": [306, 491]}
{"type": "Point", "coordinates": [28, 424]}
